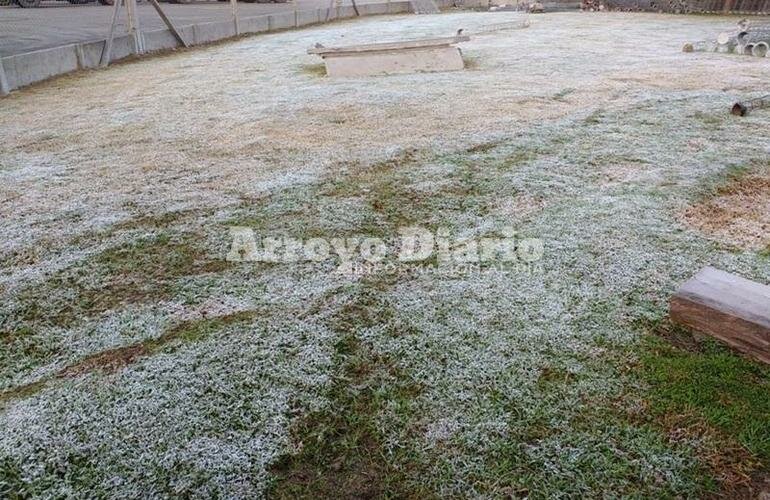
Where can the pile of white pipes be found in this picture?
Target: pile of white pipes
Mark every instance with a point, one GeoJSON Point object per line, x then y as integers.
{"type": "Point", "coordinates": [749, 40]}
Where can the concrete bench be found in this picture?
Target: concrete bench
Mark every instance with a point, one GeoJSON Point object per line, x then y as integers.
{"type": "Point", "coordinates": [408, 56]}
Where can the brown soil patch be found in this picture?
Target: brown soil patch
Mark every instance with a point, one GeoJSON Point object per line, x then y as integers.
{"type": "Point", "coordinates": [737, 472]}
{"type": "Point", "coordinates": [680, 337]}
{"type": "Point", "coordinates": [113, 359]}
{"type": "Point", "coordinates": [738, 213]}
{"type": "Point", "coordinates": [109, 360]}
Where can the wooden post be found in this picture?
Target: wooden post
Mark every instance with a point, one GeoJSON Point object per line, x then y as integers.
{"type": "Point", "coordinates": [234, 5]}
{"type": "Point", "coordinates": [138, 29]}
{"type": "Point", "coordinates": [745, 107]}
{"type": "Point", "coordinates": [129, 15]}
{"type": "Point", "coordinates": [170, 25]}
{"type": "Point", "coordinates": [133, 26]}
{"type": "Point", "coordinates": [5, 89]}
{"type": "Point", "coordinates": [107, 51]}
{"type": "Point", "coordinates": [329, 10]}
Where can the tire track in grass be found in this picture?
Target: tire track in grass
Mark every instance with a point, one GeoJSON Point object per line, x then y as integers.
{"type": "Point", "coordinates": [360, 446]}
{"type": "Point", "coordinates": [113, 359]}
{"type": "Point", "coordinates": [343, 448]}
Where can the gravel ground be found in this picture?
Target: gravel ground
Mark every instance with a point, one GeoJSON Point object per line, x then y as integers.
{"type": "Point", "coordinates": [138, 362]}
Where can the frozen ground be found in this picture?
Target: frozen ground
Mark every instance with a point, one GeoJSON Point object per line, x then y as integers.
{"type": "Point", "coordinates": [136, 361]}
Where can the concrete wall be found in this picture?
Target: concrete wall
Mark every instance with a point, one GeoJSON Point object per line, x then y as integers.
{"type": "Point", "coordinates": [25, 69]}
{"type": "Point", "coordinates": [211, 32]}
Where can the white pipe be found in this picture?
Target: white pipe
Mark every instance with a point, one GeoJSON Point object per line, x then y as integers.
{"type": "Point", "coordinates": [760, 49]}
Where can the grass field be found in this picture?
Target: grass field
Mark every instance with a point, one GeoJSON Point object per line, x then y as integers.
{"type": "Point", "coordinates": [138, 361]}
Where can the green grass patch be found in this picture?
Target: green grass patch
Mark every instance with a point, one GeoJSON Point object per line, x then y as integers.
{"type": "Point", "coordinates": [315, 70]}
{"type": "Point", "coordinates": [594, 118]}
{"type": "Point", "coordinates": [557, 449]}
{"type": "Point", "coordinates": [143, 271]}
{"type": "Point", "coordinates": [710, 119]}
{"type": "Point", "coordinates": [707, 380]}
{"type": "Point", "coordinates": [389, 191]}
{"type": "Point", "coordinates": [560, 95]}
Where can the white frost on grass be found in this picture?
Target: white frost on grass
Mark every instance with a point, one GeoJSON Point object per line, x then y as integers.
{"type": "Point", "coordinates": [205, 138]}
{"type": "Point", "coordinates": [199, 419]}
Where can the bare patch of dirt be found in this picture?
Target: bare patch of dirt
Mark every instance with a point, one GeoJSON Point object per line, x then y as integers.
{"type": "Point", "coordinates": [739, 474]}
{"type": "Point", "coordinates": [738, 213]}
{"type": "Point", "coordinates": [110, 360]}
{"type": "Point", "coordinates": [679, 337]}
{"type": "Point", "coordinates": [756, 486]}
{"type": "Point", "coordinates": [730, 464]}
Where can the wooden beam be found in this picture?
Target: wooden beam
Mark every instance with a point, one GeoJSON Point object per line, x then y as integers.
{"type": "Point", "coordinates": [168, 22]}
{"type": "Point", "coordinates": [730, 308]}
{"type": "Point", "coordinates": [743, 108]}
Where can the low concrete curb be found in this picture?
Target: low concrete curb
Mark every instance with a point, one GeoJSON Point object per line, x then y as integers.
{"type": "Point", "coordinates": [24, 69]}
{"type": "Point", "coordinates": [20, 70]}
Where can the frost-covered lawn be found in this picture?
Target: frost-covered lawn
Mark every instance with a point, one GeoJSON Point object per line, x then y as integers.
{"type": "Point", "coordinates": [136, 361]}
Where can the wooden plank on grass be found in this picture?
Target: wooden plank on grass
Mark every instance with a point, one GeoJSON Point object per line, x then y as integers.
{"type": "Point", "coordinates": [732, 309]}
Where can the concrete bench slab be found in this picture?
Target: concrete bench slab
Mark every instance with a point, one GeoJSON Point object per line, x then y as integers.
{"type": "Point", "coordinates": [408, 56]}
